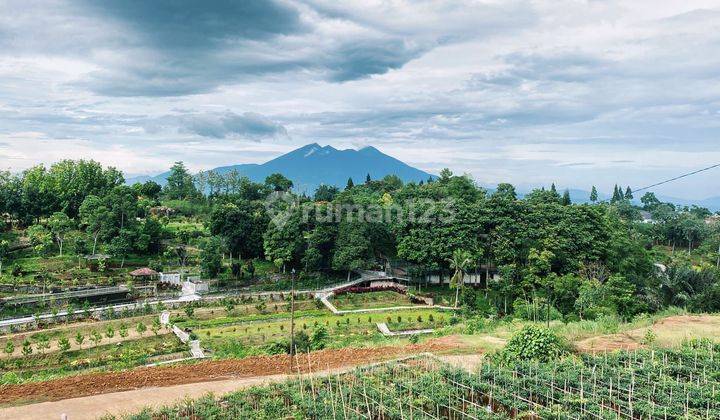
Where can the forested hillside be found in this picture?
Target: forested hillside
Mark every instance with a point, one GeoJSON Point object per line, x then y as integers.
{"type": "Point", "coordinates": [554, 258]}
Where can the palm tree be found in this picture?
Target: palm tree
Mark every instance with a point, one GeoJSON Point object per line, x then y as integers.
{"type": "Point", "coordinates": [459, 262]}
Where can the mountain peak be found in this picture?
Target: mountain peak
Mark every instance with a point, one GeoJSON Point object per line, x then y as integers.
{"type": "Point", "coordinates": [312, 165]}
{"type": "Point", "coordinates": [308, 147]}
{"type": "Point", "coordinates": [369, 149]}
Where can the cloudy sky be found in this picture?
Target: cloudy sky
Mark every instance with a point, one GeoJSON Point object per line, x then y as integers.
{"type": "Point", "coordinates": [529, 92]}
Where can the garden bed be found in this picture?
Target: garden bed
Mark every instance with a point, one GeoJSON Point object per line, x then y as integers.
{"type": "Point", "coordinates": [104, 382]}
{"type": "Point", "coordinates": [252, 334]}
{"type": "Point", "coordinates": [371, 299]}
{"type": "Point", "coordinates": [662, 384]}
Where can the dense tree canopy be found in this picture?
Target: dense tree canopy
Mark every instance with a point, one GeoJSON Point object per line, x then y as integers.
{"type": "Point", "coordinates": [541, 255]}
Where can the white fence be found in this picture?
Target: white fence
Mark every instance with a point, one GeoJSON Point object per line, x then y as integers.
{"type": "Point", "coordinates": [470, 278]}
{"type": "Point", "coordinates": [171, 278]}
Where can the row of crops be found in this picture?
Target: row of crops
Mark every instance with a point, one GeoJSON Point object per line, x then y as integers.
{"type": "Point", "coordinates": [665, 384]}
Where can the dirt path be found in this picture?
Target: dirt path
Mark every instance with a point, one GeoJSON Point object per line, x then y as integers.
{"type": "Point", "coordinates": [206, 371]}
{"type": "Point", "coordinates": [119, 403]}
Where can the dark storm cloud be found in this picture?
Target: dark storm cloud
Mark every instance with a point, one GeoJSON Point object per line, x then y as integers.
{"type": "Point", "coordinates": [197, 25]}
{"type": "Point", "coordinates": [176, 48]}
{"type": "Point", "coordinates": [364, 58]}
{"type": "Point", "coordinates": [181, 48]}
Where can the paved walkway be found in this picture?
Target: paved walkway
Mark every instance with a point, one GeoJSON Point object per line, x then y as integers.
{"type": "Point", "coordinates": [195, 349]}
{"type": "Point", "coordinates": [325, 294]}
{"type": "Point", "coordinates": [383, 328]}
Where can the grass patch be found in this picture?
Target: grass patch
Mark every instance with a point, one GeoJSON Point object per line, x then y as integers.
{"type": "Point", "coordinates": [41, 367]}
{"type": "Point", "coordinates": [381, 299]}
{"type": "Point", "coordinates": [343, 329]}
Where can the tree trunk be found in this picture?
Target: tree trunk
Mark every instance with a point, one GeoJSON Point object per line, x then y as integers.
{"type": "Point", "coordinates": [61, 245]}
{"type": "Point", "coordinates": [457, 294]}
{"type": "Point", "coordinates": [95, 238]}
{"type": "Point", "coordinates": [547, 314]}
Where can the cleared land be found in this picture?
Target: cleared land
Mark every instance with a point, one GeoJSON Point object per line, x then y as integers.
{"type": "Point", "coordinates": [100, 383]}
{"type": "Point", "coordinates": [668, 332]}
{"type": "Point", "coordinates": [382, 299]}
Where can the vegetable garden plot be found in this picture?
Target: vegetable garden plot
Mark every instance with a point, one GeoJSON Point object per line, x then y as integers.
{"type": "Point", "coordinates": [638, 385]}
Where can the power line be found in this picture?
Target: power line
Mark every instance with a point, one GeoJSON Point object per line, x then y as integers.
{"type": "Point", "coordinates": [678, 177]}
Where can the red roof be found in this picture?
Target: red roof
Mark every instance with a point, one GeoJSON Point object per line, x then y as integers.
{"type": "Point", "coordinates": [140, 272]}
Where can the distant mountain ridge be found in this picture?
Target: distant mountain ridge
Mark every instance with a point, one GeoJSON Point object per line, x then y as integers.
{"type": "Point", "coordinates": [312, 165]}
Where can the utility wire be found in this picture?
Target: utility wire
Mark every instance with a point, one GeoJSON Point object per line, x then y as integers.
{"type": "Point", "coordinates": [677, 177]}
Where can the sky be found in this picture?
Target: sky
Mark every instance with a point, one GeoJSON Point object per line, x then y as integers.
{"type": "Point", "coordinates": [578, 93]}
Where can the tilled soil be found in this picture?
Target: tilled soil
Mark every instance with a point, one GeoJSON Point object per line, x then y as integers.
{"type": "Point", "coordinates": [105, 382]}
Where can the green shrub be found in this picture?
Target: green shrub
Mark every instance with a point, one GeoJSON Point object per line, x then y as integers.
{"type": "Point", "coordinates": [302, 342]}
{"type": "Point", "coordinates": [277, 347]}
{"type": "Point", "coordinates": [649, 337]}
{"type": "Point", "coordinates": [477, 325]}
{"type": "Point", "coordinates": [10, 378]}
{"type": "Point", "coordinates": [610, 324]}
{"type": "Point", "coordinates": [534, 343]}
{"type": "Point", "coordinates": [319, 338]}
{"type": "Point", "coordinates": [536, 311]}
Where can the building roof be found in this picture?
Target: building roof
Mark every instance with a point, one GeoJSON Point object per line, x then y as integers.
{"type": "Point", "coordinates": [143, 272]}
{"type": "Point", "coordinates": [97, 257]}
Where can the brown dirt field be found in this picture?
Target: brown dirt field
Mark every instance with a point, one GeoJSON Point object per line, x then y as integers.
{"type": "Point", "coordinates": [670, 331]}
{"type": "Point", "coordinates": [106, 382]}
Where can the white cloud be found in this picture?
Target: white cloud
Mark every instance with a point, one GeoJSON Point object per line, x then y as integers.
{"type": "Point", "coordinates": [578, 93]}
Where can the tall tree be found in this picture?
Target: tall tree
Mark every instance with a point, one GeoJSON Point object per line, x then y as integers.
{"type": "Point", "coordinates": [121, 245]}
{"type": "Point", "coordinates": [628, 193]}
{"type": "Point", "coordinates": [349, 184]}
{"type": "Point", "coordinates": [200, 180]}
{"type": "Point", "coordinates": [566, 201]}
{"type": "Point", "coordinates": [506, 191]}
{"type": "Point", "coordinates": [122, 203]}
{"type": "Point", "coordinates": [151, 190]}
{"type": "Point", "coordinates": [278, 182]}
{"type": "Point", "coordinates": [649, 201]}
{"type": "Point", "coordinates": [96, 217]}
{"type": "Point", "coordinates": [352, 249]}
{"type": "Point", "coordinates": [71, 181]}
{"type": "Point", "coordinates": [4, 248]}
{"type": "Point", "coordinates": [60, 224]}
{"type": "Point", "coordinates": [180, 183]}
{"type": "Point", "coordinates": [554, 193]}
{"type": "Point", "coordinates": [593, 194]}
{"type": "Point", "coordinates": [241, 224]}
{"type": "Point", "coordinates": [459, 262]}
{"type": "Point", "coordinates": [211, 257]}
{"type": "Point", "coordinates": [326, 192]}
